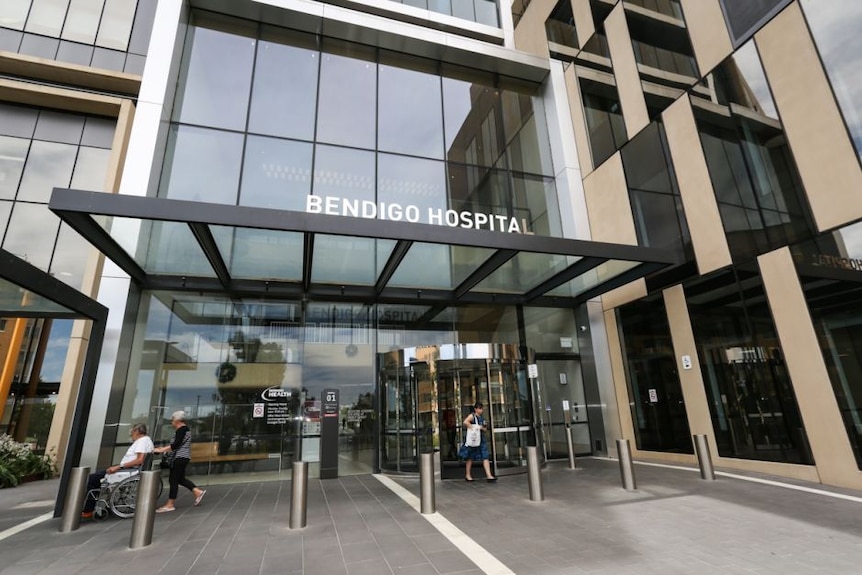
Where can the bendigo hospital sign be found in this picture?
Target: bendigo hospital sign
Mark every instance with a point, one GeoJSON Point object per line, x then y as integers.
{"type": "Point", "coordinates": [335, 206]}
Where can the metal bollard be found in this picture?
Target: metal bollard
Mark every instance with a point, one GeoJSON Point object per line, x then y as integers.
{"type": "Point", "coordinates": [145, 509]}
{"type": "Point", "coordinates": [534, 474]}
{"type": "Point", "coordinates": [75, 494]}
{"type": "Point", "coordinates": [298, 495]}
{"type": "Point", "coordinates": [627, 470]}
{"type": "Point", "coordinates": [571, 445]}
{"type": "Point", "coordinates": [704, 459]}
{"type": "Point", "coordinates": [426, 482]}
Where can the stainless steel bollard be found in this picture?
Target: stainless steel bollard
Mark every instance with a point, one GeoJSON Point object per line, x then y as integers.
{"type": "Point", "coordinates": [571, 445]}
{"type": "Point", "coordinates": [145, 509]}
{"type": "Point", "coordinates": [298, 495]}
{"type": "Point", "coordinates": [704, 459]}
{"type": "Point", "coordinates": [627, 470]}
{"type": "Point", "coordinates": [534, 474]}
{"type": "Point", "coordinates": [75, 494]}
{"type": "Point", "coordinates": [426, 482]}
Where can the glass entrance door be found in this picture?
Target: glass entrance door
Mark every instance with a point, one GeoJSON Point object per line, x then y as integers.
{"type": "Point", "coordinates": [425, 401]}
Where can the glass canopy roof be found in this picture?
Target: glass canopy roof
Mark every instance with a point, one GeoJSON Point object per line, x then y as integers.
{"type": "Point", "coordinates": [174, 244]}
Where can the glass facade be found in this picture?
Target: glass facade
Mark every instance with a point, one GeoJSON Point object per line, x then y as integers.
{"type": "Point", "coordinates": [655, 393]}
{"type": "Point", "coordinates": [40, 150]}
{"type": "Point", "coordinates": [653, 192]}
{"type": "Point", "coordinates": [409, 132]}
{"type": "Point", "coordinates": [109, 34]}
{"type": "Point", "coordinates": [606, 127]}
{"type": "Point", "coordinates": [830, 271]}
{"type": "Point", "coordinates": [751, 399]}
{"type": "Point", "coordinates": [834, 26]}
{"type": "Point", "coordinates": [480, 11]}
{"type": "Point", "coordinates": [759, 193]}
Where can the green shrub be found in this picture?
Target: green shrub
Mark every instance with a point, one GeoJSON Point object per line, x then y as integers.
{"type": "Point", "coordinates": [18, 461]}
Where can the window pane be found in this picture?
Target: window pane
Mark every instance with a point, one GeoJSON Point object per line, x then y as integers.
{"type": "Point", "coordinates": [214, 88]}
{"type": "Point", "coordinates": [486, 12]}
{"type": "Point", "coordinates": [202, 165]}
{"type": "Point", "coordinates": [344, 173]}
{"type": "Point", "coordinates": [412, 181]}
{"type": "Point", "coordinates": [46, 17]}
{"type": "Point", "coordinates": [5, 210]}
{"type": "Point", "coordinates": [410, 113]}
{"type": "Point", "coordinates": [745, 15]}
{"type": "Point", "coordinates": [470, 108]}
{"type": "Point", "coordinates": [260, 254]}
{"type": "Point", "coordinates": [91, 169]}
{"type": "Point", "coordinates": [276, 173]}
{"type": "Point", "coordinates": [13, 154]}
{"type": "Point", "coordinates": [116, 24]}
{"type": "Point", "coordinates": [31, 233]}
{"type": "Point", "coordinates": [660, 424]}
{"type": "Point", "coordinates": [284, 94]}
{"type": "Point", "coordinates": [83, 21]}
{"type": "Point", "coordinates": [347, 116]}
{"type": "Point", "coordinates": [59, 127]}
{"type": "Point", "coordinates": [49, 165]}
{"type": "Point", "coordinates": [345, 260]}
{"type": "Point", "coordinates": [70, 257]}
{"type": "Point", "coordinates": [14, 13]}
{"type": "Point", "coordinates": [529, 144]}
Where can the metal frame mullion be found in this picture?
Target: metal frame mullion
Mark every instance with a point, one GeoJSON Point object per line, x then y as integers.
{"type": "Point", "coordinates": [579, 267]}
{"type": "Point", "coordinates": [207, 243]}
{"type": "Point", "coordinates": [307, 259]}
{"type": "Point", "coordinates": [395, 258]}
{"type": "Point", "coordinates": [490, 265]}
{"type": "Point", "coordinates": [620, 280]}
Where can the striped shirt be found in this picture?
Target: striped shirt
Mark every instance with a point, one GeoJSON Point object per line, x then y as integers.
{"type": "Point", "coordinates": [182, 443]}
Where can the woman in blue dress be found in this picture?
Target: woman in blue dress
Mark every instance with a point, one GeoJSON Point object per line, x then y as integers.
{"type": "Point", "coordinates": [480, 452]}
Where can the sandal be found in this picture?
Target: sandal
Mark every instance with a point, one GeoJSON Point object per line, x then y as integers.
{"type": "Point", "coordinates": [165, 509]}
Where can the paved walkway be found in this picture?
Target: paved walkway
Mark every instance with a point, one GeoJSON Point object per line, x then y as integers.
{"type": "Point", "coordinates": [674, 523]}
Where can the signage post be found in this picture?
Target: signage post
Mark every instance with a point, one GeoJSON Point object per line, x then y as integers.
{"type": "Point", "coordinates": [329, 435]}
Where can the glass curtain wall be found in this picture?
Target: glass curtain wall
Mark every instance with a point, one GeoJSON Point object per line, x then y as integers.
{"type": "Point", "coordinates": [261, 118]}
{"type": "Point", "coordinates": [830, 271]}
{"type": "Point", "coordinates": [760, 195]}
{"type": "Point", "coordinates": [109, 34]}
{"type": "Point", "coordinates": [224, 361]}
{"type": "Point", "coordinates": [754, 410]}
{"type": "Point", "coordinates": [655, 392]}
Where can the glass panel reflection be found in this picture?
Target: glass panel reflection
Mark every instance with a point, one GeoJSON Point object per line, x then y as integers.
{"type": "Point", "coordinates": [172, 249]}
{"type": "Point", "coordinates": [260, 254]}
{"type": "Point", "coordinates": [410, 110]}
{"type": "Point", "coordinates": [341, 259]}
{"type": "Point", "coordinates": [524, 272]}
{"type": "Point", "coordinates": [347, 117]}
{"type": "Point", "coordinates": [15, 298]}
{"type": "Point", "coordinates": [438, 266]}
{"type": "Point", "coordinates": [588, 280]}
{"type": "Point", "coordinates": [276, 173]}
{"type": "Point", "coordinates": [202, 165]}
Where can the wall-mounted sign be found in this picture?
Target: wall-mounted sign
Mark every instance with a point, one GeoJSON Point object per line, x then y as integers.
{"type": "Point", "coordinates": [686, 362]}
{"type": "Point", "coordinates": [532, 371]}
{"type": "Point", "coordinates": [565, 342]}
{"type": "Point", "coordinates": [394, 212]}
{"type": "Point", "coordinates": [564, 379]}
{"type": "Point", "coordinates": [653, 396]}
{"type": "Point", "coordinates": [275, 406]}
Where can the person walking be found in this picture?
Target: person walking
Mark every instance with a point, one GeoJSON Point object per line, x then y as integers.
{"type": "Point", "coordinates": [181, 445]}
{"type": "Point", "coordinates": [478, 452]}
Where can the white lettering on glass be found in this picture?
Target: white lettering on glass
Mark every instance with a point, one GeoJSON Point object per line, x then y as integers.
{"type": "Point", "coordinates": [335, 206]}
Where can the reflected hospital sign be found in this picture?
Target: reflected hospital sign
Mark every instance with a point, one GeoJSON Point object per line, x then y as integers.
{"type": "Point", "coordinates": [335, 206]}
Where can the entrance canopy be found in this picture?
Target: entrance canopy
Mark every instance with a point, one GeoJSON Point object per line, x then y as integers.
{"type": "Point", "coordinates": [249, 251]}
{"type": "Point", "coordinates": [28, 292]}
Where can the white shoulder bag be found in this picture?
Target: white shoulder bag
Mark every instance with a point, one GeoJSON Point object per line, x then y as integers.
{"type": "Point", "coordinates": [474, 435]}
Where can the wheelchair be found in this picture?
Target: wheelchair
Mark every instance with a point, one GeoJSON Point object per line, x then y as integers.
{"type": "Point", "coordinates": [118, 492]}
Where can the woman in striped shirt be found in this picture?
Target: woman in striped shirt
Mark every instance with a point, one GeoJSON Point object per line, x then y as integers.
{"type": "Point", "coordinates": [181, 446]}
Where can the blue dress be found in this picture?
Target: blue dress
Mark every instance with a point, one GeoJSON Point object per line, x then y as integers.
{"type": "Point", "coordinates": [480, 452]}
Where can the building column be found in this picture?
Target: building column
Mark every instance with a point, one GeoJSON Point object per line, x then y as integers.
{"type": "Point", "coordinates": [818, 407]}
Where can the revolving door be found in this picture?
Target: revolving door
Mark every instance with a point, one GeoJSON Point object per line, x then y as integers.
{"type": "Point", "coordinates": [426, 392]}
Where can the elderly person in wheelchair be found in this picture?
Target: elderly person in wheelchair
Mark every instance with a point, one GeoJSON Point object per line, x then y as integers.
{"type": "Point", "coordinates": [116, 487]}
